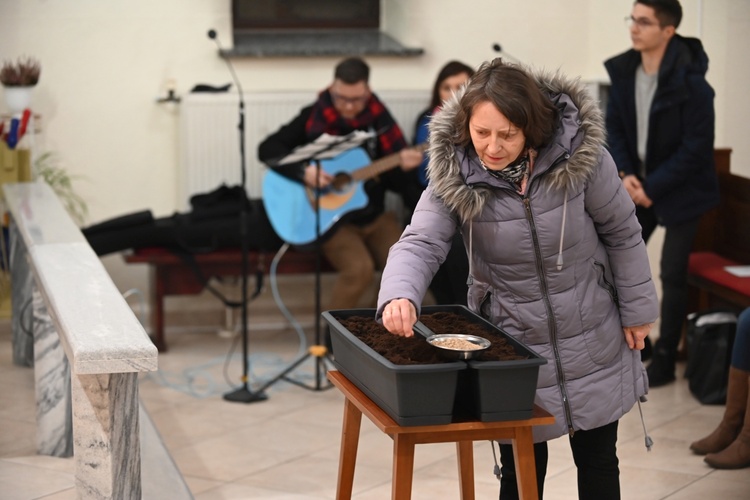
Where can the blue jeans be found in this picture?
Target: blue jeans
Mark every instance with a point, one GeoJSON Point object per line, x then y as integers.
{"type": "Point", "coordinates": [741, 347]}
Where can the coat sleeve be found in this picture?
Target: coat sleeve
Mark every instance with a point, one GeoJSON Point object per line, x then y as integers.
{"type": "Point", "coordinates": [416, 257]}
{"type": "Point", "coordinates": [391, 140]}
{"type": "Point", "coordinates": [420, 136]}
{"type": "Point", "coordinates": [613, 213]}
{"type": "Point", "coordinates": [618, 130]}
{"type": "Point", "coordinates": [617, 135]}
{"type": "Point", "coordinates": [282, 142]}
{"type": "Point", "coordinates": [695, 151]}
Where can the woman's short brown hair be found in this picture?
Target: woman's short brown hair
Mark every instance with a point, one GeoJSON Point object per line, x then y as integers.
{"type": "Point", "coordinates": [516, 95]}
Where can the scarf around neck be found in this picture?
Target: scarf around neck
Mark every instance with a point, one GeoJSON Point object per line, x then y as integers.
{"type": "Point", "coordinates": [325, 119]}
{"type": "Point", "coordinates": [515, 172]}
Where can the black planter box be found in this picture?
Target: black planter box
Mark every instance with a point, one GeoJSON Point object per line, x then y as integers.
{"type": "Point", "coordinates": [409, 394]}
{"type": "Point", "coordinates": [488, 391]}
{"type": "Point", "coordinates": [493, 391]}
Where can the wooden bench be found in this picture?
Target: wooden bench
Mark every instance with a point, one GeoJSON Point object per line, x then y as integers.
{"type": "Point", "coordinates": [173, 274]}
{"type": "Point", "coordinates": [723, 239]}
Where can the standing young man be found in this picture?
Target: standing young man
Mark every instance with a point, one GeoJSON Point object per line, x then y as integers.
{"type": "Point", "coordinates": [660, 126]}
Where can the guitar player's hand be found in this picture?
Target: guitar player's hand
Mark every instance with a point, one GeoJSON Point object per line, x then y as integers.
{"type": "Point", "coordinates": [410, 158]}
{"type": "Point", "coordinates": [325, 177]}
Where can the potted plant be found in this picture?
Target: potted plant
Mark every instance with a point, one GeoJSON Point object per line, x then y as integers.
{"type": "Point", "coordinates": [48, 168]}
{"type": "Point", "coordinates": [18, 78]}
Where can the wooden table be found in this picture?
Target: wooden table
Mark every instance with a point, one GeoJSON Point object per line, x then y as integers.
{"type": "Point", "coordinates": [405, 438]}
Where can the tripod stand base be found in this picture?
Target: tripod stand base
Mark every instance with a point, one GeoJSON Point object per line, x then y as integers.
{"type": "Point", "coordinates": [320, 355]}
{"type": "Point", "coordinates": [244, 395]}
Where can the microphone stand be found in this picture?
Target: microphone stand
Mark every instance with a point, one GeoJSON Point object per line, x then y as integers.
{"type": "Point", "coordinates": [319, 351]}
{"type": "Point", "coordinates": [243, 394]}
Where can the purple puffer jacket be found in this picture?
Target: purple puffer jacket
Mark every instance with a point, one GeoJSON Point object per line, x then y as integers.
{"type": "Point", "coordinates": [561, 268]}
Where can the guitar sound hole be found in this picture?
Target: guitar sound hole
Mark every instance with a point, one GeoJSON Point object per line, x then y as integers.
{"type": "Point", "coordinates": [341, 181]}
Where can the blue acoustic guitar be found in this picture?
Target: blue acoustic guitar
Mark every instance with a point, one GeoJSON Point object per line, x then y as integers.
{"type": "Point", "coordinates": [290, 205]}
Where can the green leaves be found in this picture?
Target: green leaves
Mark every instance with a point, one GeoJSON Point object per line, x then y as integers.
{"type": "Point", "coordinates": [47, 167]}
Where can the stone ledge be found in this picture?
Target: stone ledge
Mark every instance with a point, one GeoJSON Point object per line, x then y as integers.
{"type": "Point", "coordinates": [317, 43]}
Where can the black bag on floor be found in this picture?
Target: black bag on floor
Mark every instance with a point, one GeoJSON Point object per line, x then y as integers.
{"type": "Point", "coordinates": [212, 224]}
{"type": "Point", "coordinates": [710, 337]}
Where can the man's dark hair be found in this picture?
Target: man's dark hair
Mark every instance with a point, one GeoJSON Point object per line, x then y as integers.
{"type": "Point", "coordinates": [668, 12]}
{"type": "Point", "coordinates": [352, 70]}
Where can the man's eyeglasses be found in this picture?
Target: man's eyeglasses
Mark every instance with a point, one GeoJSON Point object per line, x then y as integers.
{"type": "Point", "coordinates": [640, 23]}
{"type": "Point", "coordinates": [351, 101]}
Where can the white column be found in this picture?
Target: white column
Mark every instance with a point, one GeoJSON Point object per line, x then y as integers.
{"type": "Point", "coordinates": [105, 427]}
{"type": "Point", "coordinates": [21, 316]}
{"type": "Point", "coordinates": [54, 434]}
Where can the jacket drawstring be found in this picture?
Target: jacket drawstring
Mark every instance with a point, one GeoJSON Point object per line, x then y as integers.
{"type": "Point", "coordinates": [562, 231]}
{"type": "Point", "coordinates": [470, 278]}
{"type": "Point", "coordinates": [649, 441]}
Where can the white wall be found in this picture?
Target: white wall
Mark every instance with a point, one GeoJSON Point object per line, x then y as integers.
{"type": "Point", "coordinates": [105, 62]}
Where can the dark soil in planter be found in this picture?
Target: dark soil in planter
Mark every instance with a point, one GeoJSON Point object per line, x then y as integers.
{"type": "Point", "coordinates": [415, 350]}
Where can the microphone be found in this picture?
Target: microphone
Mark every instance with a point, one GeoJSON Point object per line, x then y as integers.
{"type": "Point", "coordinates": [499, 49]}
{"type": "Point", "coordinates": [212, 35]}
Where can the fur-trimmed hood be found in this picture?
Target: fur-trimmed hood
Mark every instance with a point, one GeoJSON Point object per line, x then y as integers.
{"type": "Point", "coordinates": [457, 177]}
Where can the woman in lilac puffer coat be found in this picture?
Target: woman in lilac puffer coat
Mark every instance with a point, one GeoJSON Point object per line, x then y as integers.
{"type": "Point", "coordinates": [556, 258]}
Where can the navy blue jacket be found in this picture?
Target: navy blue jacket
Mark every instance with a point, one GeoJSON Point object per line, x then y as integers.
{"type": "Point", "coordinates": [681, 177]}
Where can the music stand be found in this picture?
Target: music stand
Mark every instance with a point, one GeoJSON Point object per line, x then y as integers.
{"type": "Point", "coordinates": [324, 147]}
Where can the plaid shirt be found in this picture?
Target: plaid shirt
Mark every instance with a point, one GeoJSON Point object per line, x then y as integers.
{"type": "Point", "coordinates": [325, 119]}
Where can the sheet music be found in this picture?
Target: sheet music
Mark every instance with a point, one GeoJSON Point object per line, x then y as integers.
{"type": "Point", "coordinates": [740, 271]}
{"type": "Point", "coordinates": [326, 146]}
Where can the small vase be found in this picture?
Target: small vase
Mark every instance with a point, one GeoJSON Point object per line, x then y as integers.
{"type": "Point", "coordinates": [18, 98]}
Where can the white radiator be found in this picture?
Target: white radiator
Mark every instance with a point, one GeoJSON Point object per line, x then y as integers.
{"type": "Point", "coordinates": [209, 134]}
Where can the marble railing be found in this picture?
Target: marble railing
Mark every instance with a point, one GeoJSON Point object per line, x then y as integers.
{"type": "Point", "coordinates": [88, 347]}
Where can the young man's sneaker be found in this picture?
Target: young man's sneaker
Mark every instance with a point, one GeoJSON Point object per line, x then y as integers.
{"type": "Point", "coordinates": [660, 371]}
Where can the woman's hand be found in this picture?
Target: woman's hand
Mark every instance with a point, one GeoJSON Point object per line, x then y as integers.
{"type": "Point", "coordinates": [635, 336]}
{"type": "Point", "coordinates": [399, 316]}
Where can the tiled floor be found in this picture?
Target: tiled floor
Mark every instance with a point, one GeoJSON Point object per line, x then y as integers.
{"type": "Point", "coordinates": [288, 446]}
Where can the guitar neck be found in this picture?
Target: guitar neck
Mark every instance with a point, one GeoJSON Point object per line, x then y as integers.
{"type": "Point", "coordinates": [381, 165]}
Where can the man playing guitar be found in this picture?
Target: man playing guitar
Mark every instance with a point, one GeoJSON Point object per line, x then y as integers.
{"type": "Point", "coordinates": [357, 245]}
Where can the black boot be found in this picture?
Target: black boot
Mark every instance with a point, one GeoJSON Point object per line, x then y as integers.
{"type": "Point", "coordinates": [661, 370]}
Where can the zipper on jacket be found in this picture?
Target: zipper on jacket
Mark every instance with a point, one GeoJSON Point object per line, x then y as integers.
{"type": "Point", "coordinates": [550, 314]}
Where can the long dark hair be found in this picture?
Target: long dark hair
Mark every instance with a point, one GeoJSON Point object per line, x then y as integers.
{"type": "Point", "coordinates": [452, 68]}
{"type": "Point", "coordinates": [516, 95]}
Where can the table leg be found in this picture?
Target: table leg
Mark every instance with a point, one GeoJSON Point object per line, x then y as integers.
{"type": "Point", "coordinates": [348, 456]}
{"type": "Point", "coordinates": [465, 452]}
{"type": "Point", "coordinates": [523, 453]}
{"type": "Point", "coordinates": [403, 466]}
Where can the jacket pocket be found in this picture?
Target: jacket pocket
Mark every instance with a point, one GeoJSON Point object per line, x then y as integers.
{"type": "Point", "coordinates": [485, 306]}
{"type": "Point", "coordinates": [605, 282]}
